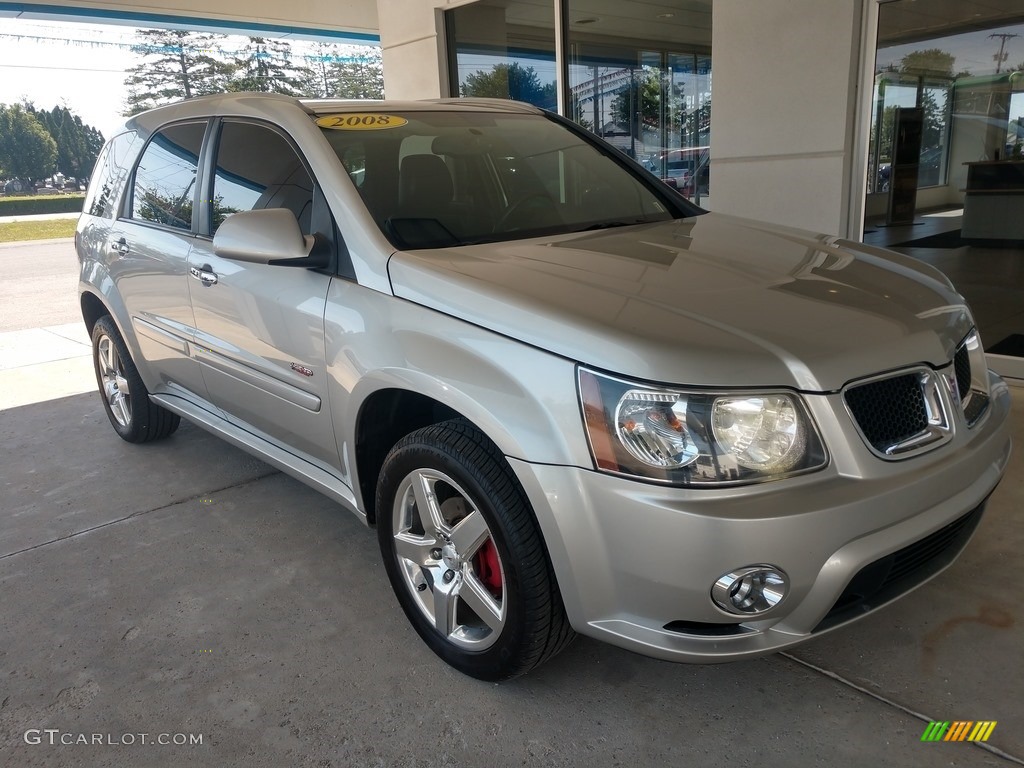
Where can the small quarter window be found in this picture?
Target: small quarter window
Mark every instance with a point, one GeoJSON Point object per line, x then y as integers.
{"type": "Point", "coordinates": [107, 178]}
{"type": "Point", "coordinates": [165, 179]}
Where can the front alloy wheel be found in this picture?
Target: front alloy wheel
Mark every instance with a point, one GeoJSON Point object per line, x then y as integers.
{"type": "Point", "coordinates": [464, 553]}
{"type": "Point", "coordinates": [448, 560]}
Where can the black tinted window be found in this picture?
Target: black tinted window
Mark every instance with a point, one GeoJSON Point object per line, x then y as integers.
{"type": "Point", "coordinates": [257, 168]}
{"type": "Point", "coordinates": [108, 176]}
{"type": "Point", "coordinates": [165, 179]}
{"type": "Point", "coordinates": [437, 179]}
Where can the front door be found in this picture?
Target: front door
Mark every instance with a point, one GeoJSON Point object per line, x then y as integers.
{"type": "Point", "coordinates": [260, 329]}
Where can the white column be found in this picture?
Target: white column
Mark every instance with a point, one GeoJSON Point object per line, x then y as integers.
{"type": "Point", "coordinates": [412, 41]}
{"type": "Point", "coordinates": [787, 115]}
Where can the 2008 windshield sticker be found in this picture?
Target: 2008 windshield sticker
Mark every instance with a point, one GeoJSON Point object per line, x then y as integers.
{"type": "Point", "coordinates": [360, 121]}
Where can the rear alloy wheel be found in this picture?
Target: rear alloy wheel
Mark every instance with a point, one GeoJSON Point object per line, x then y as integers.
{"type": "Point", "coordinates": [125, 397]}
{"type": "Point", "coordinates": [464, 555]}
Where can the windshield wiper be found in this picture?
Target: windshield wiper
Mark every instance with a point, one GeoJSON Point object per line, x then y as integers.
{"type": "Point", "coordinates": [613, 224]}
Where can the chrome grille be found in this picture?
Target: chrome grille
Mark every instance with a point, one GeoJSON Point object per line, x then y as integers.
{"type": "Point", "coordinates": [889, 411]}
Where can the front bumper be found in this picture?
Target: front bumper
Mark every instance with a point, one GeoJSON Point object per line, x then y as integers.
{"type": "Point", "coordinates": [635, 562]}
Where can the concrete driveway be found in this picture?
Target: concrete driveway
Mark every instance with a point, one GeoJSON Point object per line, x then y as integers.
{"type": "Point", "coordinates": [188, 592]}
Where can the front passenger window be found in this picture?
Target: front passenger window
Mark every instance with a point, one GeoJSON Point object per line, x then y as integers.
{"type": "Point", "coordinates": [257, 168]}
{"type": "Point", "coordinates": [165, 179]}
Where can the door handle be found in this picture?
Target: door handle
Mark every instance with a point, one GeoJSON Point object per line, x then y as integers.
{"type": "Point", "coordinates": [121, 246]}
{"type": "Point", "coordinates": [204, 274]}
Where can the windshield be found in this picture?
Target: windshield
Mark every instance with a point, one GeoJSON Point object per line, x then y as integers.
{"type": "Point", "coordinates": [438, 179]}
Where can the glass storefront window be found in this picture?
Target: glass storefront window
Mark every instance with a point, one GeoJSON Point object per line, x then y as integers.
{"type": "Point", "coordinates": [639, 76]}
{"type": "Point", "coordinates": [894, 90]}
{"type": "Point", "coordinates": [965, 83]}
{"type": "Point", "coordinates": [654, 105]}
{"type": "Point", "coordinates": [504, 50]}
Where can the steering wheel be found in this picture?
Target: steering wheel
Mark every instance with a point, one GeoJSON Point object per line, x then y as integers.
{"type": "Point", "coordinates": [524, 204]}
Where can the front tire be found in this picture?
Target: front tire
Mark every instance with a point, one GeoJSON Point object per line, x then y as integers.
{"type": "Point", "coordinates": [465, 556]}
{"type": "Point", "coordinates": [125, 398]}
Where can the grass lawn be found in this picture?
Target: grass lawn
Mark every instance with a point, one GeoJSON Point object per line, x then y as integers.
{"type": "Point", "coordinates": [44, 229]}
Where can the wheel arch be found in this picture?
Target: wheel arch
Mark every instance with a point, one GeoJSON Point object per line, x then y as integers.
{"type": "Point", "coordinates": [385, 416]}
{"type": "Point", "coordinates": [93, 308]}
{"type": "Point", "coordinates": [97, 299]}
{"type": "Point", "coordinates": [389, 404]}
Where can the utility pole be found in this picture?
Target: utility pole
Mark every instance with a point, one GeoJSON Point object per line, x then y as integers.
{"type": "Point", "coordinates": [1001, 57]}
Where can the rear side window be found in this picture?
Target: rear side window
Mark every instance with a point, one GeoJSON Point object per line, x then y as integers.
{"type": "Point", "coordinates": [258, 168]}
{"type": "Point", "coordinates": [108, 176]}
{"type": "Point", "coordinates": [165, 179]}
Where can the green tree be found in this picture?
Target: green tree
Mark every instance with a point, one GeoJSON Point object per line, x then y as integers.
{"type": "Point", "coordinates": [349, 72]}
{"type": "Point", "coordinates": [27, 151]}
{"type": "Point", "coordinates": [77, 144]}
{"type": "Point", "coordinates": [932, 62]}
{"type": "Point", "coordinates": [265, 65]}
{"type": "Point", "coordinates": [360, 73]}
{"type": "Point", "coordinates": [580, 114]}
{"type": "Point", "coordinates": [511, 81]}
{"type": "Point", "coordinates": [175, 65]}
{"type": "Point", "coordinates": [639, 104]}
{"type": "Point", "coordinates": [934, 118]}
{"type": "Point", "coordinates": [320, 82]}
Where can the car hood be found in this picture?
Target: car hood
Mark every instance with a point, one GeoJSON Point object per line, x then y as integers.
{"type": "Point", "coordinates": [712, 300]}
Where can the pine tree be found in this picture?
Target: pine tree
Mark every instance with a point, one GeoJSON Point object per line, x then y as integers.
{"type": "Point", "coordinates": [346, 72]}
{"type": "Point", "coordinates": [320, 81]}
{"type": "Point", "coordinates": [265, 65]}
{"type": "Point", "coordinates": [77, 144]}
{"type": "Point", "coordinates": [359, 73]}
{"type": "Point", "coordinates": [176, 65]}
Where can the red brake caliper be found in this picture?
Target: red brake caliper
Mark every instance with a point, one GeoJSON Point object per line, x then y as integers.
{"type": "Point", "coordinates": [488, 569]}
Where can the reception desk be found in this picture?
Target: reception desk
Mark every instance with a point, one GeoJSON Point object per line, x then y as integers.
{"type": "Point", "coordinates": [994, 201]}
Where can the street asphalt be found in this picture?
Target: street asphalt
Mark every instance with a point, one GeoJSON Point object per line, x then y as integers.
{"type": "Point", "coordinates": [186, 591]}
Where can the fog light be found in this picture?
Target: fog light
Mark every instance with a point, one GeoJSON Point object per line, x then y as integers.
{"type": "Point", "coordinates": [751, 590]}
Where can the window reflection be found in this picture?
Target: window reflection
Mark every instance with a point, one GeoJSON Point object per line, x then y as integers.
{"type": "Point", "coordinates": [970, 86]}
{"type": "Point", "coordinates": [504, 50]}
{"type": "Point", "coordinates": [640, 78]}
{"type": "Point", "coordinates": [166, 176]}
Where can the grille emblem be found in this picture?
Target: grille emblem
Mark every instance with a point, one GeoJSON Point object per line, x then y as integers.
{"type": "Point", "coordinates": [903, 415]}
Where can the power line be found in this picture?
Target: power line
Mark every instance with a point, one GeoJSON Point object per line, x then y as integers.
{"type": "Point", "coordinates": [1001, 57]}
{"type": "Point", "coordinates": [144, 49]}
{"type": "Point", "coordinates": [61, 69]}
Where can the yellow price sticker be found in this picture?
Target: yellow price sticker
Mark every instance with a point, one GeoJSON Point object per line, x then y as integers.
{"type": "Point", "coordinates": [361, 121]}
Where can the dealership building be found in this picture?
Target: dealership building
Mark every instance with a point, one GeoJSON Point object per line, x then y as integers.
{"type": "Point", "coordinates": [781, 110]}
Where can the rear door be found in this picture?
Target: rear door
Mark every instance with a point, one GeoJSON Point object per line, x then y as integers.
{"type": "Point", "coordinates": [259, 328]}
{"type": "Point", "coordinates": [148, 248]}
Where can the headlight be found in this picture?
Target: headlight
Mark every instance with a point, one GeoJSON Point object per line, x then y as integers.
{"type": "Point", "coordinates": [697, 438]}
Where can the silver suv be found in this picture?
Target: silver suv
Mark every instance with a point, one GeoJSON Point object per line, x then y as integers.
{"type": "Point", "coordinates": [567, 399]}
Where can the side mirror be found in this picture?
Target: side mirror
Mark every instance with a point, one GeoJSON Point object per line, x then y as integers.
{"type": "Point", "coordinates": [268, 236]}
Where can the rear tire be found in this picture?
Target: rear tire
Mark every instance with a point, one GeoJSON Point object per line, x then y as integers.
{"type": "Point", "coordinates": [465, 556]}
{"type": "Point", "coordinates": [132, 414]}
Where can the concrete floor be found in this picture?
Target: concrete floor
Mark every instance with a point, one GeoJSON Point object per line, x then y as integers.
{"type": "Point", "coordinates": [186, 588]}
